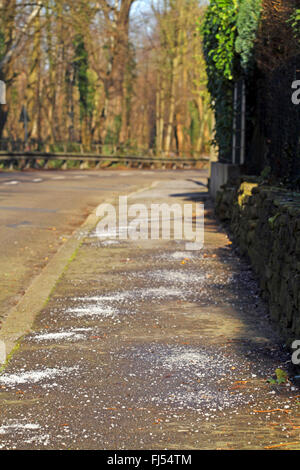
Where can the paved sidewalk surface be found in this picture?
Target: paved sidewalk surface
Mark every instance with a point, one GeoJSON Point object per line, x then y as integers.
{"type": "Point", "coordinates": [144, 345]}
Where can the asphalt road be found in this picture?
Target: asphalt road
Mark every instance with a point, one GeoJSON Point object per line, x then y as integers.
{"type": "Point", "coordinates": [39, 211]}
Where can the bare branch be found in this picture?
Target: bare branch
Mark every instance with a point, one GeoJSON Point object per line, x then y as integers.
{"type": "Point", "coordinates": [9, 54]}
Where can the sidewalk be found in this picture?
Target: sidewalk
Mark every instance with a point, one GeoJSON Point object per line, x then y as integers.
{"type": "Point", "coordinates": [144, 345]}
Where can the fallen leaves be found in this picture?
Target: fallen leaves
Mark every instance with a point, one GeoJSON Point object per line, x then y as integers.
{"type": "Point", "coordinates": [239, 384]}
{"type": "Point", "coordinates": [282, 444]}
{"type": "Point", "coordinates": [272, 411]}
{"type": "Point", "coordinates": [158, 421]}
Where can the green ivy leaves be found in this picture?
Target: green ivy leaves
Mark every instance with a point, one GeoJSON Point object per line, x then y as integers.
{"type": "Point", "coordinates": [219, 32]}
{"type": "Point", "coordinates": [229, 31]}
{"type": "Point", "coordinates": [247, 26]}
{"type": "Point", "coordinates": [295, 22]}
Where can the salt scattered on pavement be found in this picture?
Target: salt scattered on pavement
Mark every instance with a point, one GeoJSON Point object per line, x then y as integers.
{"type": "Point", "coordinates": [34, 376]}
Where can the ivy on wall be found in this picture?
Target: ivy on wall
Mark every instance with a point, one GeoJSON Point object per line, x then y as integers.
{"type": "Point", "coordinates": [247, 26]}
{"type": "Point", "coordinates": [229, 32]}
{"type": "Point", "coordinates": [219, 35]}
{"type": "Point", "coordinates": [295, 22]}
{"type": "Point", "coordinates": [255, 40]}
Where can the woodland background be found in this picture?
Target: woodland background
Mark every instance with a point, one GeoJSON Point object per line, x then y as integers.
{"type": "Point", "coordinates": [126, 74]}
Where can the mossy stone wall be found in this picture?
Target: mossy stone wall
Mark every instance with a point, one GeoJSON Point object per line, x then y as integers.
{"type": "Point", "coordinates": [265, 223]}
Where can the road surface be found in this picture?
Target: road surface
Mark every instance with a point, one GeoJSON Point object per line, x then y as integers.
{"type": "Point", "coordinates": [39, 210]}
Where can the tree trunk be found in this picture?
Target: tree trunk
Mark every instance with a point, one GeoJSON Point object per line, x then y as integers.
{"type": "Point", "coordinates": [170, 123]}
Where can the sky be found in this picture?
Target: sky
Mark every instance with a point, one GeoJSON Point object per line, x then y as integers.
{"type": "Point", "coordinates": [141, 7]}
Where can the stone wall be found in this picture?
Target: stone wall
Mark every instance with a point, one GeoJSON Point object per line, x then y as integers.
{"type": "Point", "coordinates": [265, 223]}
